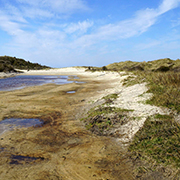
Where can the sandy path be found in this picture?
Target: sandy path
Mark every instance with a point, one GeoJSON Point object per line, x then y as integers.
{"type": "Point", "coordinates": [64, 148]}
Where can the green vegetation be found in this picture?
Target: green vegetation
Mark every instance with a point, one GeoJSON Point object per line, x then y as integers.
{"type": "Point", "coordinates": [166, 90]}
{"type": "Point", "coordinates": [93, 69]}
{"type": "Point", "coordinates": [161, 65]}
{"type": "Point", "coordinates": [106, 110]}
{"type": "Point", "coordinates": [9, 64]}
{"type": "Point", "coordinates": [109, 98]}
{"type": "Point", "coordinates": [162, 76]}
{"type": "Point", "coordinates": [165, 87]}
{"type": "Point", "coordinates": [6, 67]}
{"type": "Point", "coordinates": [101, 119]}
{"type": "Point", "coordinates": [158, 141]}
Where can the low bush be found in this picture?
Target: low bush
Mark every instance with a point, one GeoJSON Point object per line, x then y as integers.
{"type": "Point", "coordinates": [8, 63]}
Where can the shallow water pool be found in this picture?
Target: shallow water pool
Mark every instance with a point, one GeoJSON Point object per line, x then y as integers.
{"type": "Point", "coordinates": [71, 92]}
{"type": "Point", "coordinates": [12, 123]}
{"type": "Point", "coordinates": [19, 82]}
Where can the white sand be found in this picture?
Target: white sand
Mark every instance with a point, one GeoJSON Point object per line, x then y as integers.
{"type": "Point", "coordinates": [6, 75]}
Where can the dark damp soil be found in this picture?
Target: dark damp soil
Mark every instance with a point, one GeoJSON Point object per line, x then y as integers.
{"type": "Point", "coordinates": [19, 159]}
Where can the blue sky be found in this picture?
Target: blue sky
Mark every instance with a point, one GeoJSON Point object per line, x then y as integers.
{"type": "Point", "coordinates": [62, 33]}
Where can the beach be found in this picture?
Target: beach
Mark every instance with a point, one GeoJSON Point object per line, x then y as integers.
{"type": "Point", "coordinates": [63, 148]}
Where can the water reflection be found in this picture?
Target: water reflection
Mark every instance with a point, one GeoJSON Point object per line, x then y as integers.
{"type": "Point", "coordinates": [19, 82]}
{"type": "Point", "coordinates": [18, 159]}
{"type": "Point", "coordinates": [12, 123]}
{"type": "Point", "coordinates": [71, 92]}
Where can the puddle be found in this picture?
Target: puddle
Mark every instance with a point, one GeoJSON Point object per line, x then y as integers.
{"type": "Point", "coordinates": [1, 149]}
{"type": "Point", "coordinates": [22, 81]}
{"type": "Point", "coordinates": [71, 92]}
{"type": "Point", "coordinates": [18, 159]}
{"type": "Point", "coordinates": [12, 123]}
{"type": "Point", "coordinates": [79, 82]}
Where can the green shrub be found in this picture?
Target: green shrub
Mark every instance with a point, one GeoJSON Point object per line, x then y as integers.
{"type": "Point", "coordinates": [10, 63]}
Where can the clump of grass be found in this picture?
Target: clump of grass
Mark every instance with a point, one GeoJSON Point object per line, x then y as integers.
{"type": "Point", "coordinates": [105, 110]}
{"type": "Point", "coordinates": [130, 80]}
{"type": "Point", "coordinates": [101, 119]}
{"type": "Point", "coordinates": [110, 98]}
{"type": "Point", "coordinates": [158, 140]}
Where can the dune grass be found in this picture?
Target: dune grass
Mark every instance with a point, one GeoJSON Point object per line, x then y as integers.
{"type": "Point", "coordinates": [158, 141]}
{"type": "Point", "coordinates": [165, 87]}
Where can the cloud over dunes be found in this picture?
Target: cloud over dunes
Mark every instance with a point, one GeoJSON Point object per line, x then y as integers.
{"type": "Point", "coordinates": [46, 26]}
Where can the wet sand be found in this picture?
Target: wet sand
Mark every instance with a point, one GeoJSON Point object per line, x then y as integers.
{"type": "Point", "coordinates": [62, 148]}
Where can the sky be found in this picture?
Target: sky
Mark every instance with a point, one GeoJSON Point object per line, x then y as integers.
{"type": "Point", "coordinates": [63, 33]}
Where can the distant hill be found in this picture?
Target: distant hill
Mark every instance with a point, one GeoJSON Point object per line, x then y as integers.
{"type": "Point", "coordinates": [9, 64]}
{"type": "Point", "coordinates": [161, 65]}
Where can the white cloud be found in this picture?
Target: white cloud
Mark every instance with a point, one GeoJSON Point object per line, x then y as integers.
{"type": "Point", "coordinates": [41, 9]}
{"type": "Point", "coordinates": [76, 38]}
{"type": "Point", "coordinates": [35, 12]}
{"type": "Point", "coordinates": [12, 28]}
{"type": "Point", "coordinates": [14, 13]}
{"type": "Point", "coordinates": [168, 5]}
{"type": "Point", "coordinates": [64, 6]}
{"type": "Point", "coordinates": [80, 26]}
{"type": "Point", "coordinates": [141, 22]}
{"type": "Point", "coordinates": [176, 22]}
{"type": "Point", "coordinates": [44, 7]}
